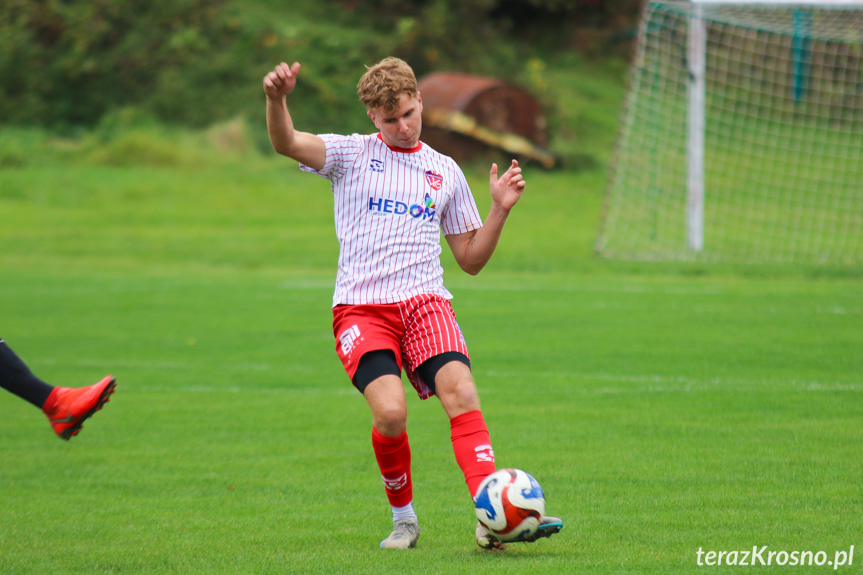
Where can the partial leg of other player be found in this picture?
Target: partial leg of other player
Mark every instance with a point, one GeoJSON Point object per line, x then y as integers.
{"type": "Point", "coordinates": [67, 408]}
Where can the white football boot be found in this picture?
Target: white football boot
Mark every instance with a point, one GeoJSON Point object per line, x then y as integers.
{"type": "Point", "coordinates": [404, 536]}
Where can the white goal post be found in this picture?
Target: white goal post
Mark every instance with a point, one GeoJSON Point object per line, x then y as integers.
{"type": "Point", "coordinates": [742, 134]}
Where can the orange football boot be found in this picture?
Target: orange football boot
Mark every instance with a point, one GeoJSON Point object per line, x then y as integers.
{"type": "Point", "coordinates": [68, 407]}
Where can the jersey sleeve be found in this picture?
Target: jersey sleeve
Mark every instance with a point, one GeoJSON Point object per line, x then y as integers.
{"type": "Point", "coordinates": [461, 214]}
{"type": "Point", "coordinates": [342, 152]}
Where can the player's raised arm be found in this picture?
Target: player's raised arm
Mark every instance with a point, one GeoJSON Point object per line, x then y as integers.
{"type": "Point", "coordinates": [472, 250]}
{"type": "Point", "coordinates": [301, 146]}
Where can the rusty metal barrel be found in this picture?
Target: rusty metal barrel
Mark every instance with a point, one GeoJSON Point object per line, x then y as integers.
{"type": "Point", "coordinates": [464, 116]}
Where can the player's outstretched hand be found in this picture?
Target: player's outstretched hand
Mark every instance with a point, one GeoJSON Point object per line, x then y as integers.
{"type": "Point", "coordinates": [282, 80]}
{"type": "Point", "coordinates": [507, 189]}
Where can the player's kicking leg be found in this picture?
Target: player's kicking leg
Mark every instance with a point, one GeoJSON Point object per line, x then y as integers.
{"type": "Point", "coordinates": [548, 526]}
{"type": "Point", "coordinates": [67, 408]}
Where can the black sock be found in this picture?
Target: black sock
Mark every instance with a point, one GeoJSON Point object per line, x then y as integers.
{"type": "Point", "coordinates": [16, 377]}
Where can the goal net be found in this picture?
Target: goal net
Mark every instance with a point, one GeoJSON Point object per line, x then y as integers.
{"type": "Point", "coordinates": [742, 135]}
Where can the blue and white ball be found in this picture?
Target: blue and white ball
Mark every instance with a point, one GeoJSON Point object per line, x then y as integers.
{"type": "Point", "coordinates": [510, 503]}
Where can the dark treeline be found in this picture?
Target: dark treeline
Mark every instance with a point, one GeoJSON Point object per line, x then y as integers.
{"type": "Point", "coordinates": [64, 64]}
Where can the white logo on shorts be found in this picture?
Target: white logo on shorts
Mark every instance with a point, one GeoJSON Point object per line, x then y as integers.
{"type": "Point", "coordinates": [348, 338]}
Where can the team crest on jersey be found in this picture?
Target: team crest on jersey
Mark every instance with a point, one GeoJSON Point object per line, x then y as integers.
{"type": "Point", "coordinates": [435, 180]}
{"type": "Point", "coordinates": [376, 165]}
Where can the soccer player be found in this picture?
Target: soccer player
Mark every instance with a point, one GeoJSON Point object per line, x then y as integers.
{"type": "Point", "coordinates": [391, 312]}
{"type": "Point", "coordinates": [66, 407]}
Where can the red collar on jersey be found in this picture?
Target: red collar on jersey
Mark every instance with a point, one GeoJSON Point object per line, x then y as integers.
{"type": "Point", "coordinates": [416, 148]}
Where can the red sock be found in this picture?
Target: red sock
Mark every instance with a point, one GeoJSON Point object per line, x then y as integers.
{"type": "Point", "coordinates": [394, 459]}
{"type": "Point", "coordinates": [472, 447]}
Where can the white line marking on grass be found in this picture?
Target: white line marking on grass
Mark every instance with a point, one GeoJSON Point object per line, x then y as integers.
{"type": "Point", "coordinates": [651, 383]}
{"type": "Point", "coordinates": [171, 365]}
{"type": "Point", "coordinates": [309, 284]}
{"type": "Point", "coordinates": [667, 383]}
{"type": "Point", "coordinates": [603, 289]}
{"type": "Point", "coordinates": [236, 390]}
{"type": "Point", "coordinates": [822, 386]}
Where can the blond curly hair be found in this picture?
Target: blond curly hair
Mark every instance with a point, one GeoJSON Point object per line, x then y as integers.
{"type": "Point", "coordinates": [383, 84]}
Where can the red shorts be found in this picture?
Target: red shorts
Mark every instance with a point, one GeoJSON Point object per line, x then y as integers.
{"type": "Point", "coordinates": [416, 330]}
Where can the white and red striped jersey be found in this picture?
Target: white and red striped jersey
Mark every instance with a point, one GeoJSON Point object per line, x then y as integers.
{"type": "Point", "coordinates": [390, 208]}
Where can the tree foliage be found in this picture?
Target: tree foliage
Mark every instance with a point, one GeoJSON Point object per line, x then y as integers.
{"type": "Point", "coordinates": [68, 63]}
{"type": "Point", "coordinates": [482, 35]}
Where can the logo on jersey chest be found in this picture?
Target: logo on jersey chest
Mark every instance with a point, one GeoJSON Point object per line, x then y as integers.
{"type": "Point", "coordinates": [424, 210]}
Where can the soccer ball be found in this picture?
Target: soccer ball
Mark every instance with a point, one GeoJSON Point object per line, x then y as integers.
{"type": "Point", "coordinates": [510, 503]}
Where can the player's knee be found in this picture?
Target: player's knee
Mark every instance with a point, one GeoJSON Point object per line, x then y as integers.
{"type": "Point", "coordinates": [458, 395]}
{"type": "Point", "coordinates": [391, 419]}
{"type": "Point", "coordinates": [465, 395]}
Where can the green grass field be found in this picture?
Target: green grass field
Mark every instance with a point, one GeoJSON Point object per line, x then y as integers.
{"type": "Point", "coordinates": [664, 408]}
